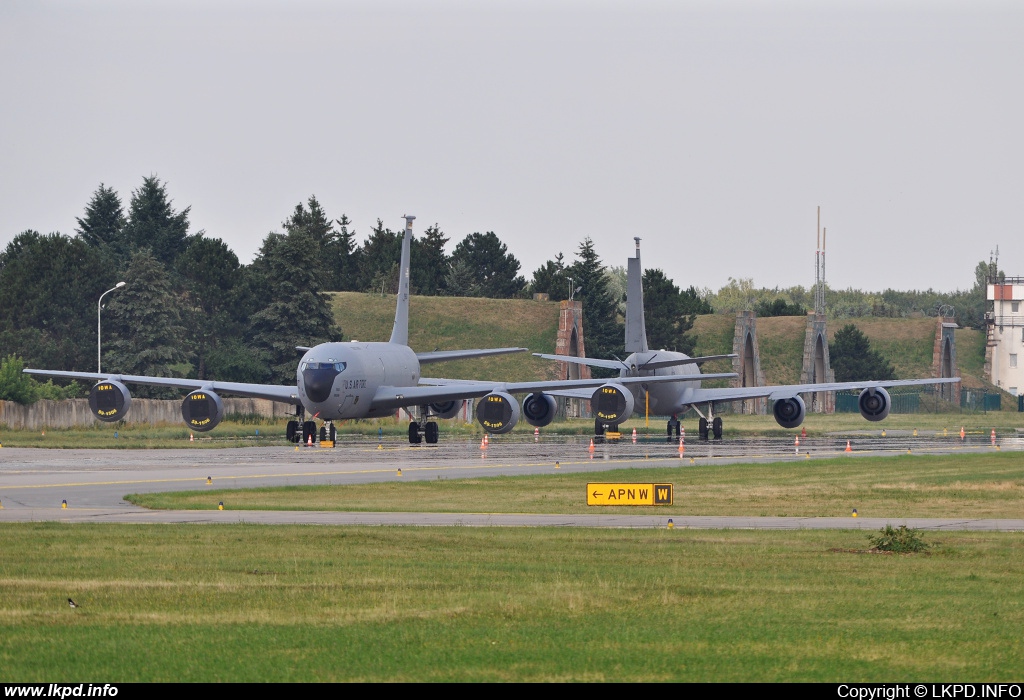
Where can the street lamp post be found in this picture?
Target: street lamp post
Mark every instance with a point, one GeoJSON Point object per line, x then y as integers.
{"type": "Point", "coordinates": [99, 308]}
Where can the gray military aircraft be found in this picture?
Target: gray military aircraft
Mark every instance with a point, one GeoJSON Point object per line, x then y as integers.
{"type": "Point", "coordinates": [343, 381]}
{"type": "Point", "coordinates": [673, 398]}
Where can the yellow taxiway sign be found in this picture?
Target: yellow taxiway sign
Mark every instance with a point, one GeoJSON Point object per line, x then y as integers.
{"type": "Point", "coordinates": [629, 494]}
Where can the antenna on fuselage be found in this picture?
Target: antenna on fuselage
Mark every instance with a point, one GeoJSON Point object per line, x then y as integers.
{"type": "Point", "coordinates": [636, 331]}
{"type": "Point", "coordinates": [400, 332]}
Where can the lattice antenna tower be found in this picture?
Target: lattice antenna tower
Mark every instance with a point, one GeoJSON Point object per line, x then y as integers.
{"type": "Point", "coordinates": [819, 270]}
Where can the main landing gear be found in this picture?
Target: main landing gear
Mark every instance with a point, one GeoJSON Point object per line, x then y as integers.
{"type": "Point", "coordinates": [673, 426]}
{"type": "Point", "coordinates": [710, 424]}
{"type": "Point", "coordinates": [423, 430]}
{"type": "Point", "coordinates": [303, 432]}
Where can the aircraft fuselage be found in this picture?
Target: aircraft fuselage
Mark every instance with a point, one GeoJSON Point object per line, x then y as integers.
{"type": "Point", "coordinates": [665, 399]}
{"type": "Point", "coordinates": [337, 381]}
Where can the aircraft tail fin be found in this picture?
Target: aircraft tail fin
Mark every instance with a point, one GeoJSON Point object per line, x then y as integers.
{"type": "Point", "coordinates": [400, 332]}
{"type": "Point", "coordinates": [636, 331]}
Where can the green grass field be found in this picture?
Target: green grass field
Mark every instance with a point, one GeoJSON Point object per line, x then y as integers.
{"type": "Point", "coordinates": [259, 603]}
{"type": "Point", "coordinates": [968, 486]}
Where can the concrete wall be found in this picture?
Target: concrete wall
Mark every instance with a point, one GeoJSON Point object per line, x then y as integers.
{"type": "Point", "coordinates": [75, 412]}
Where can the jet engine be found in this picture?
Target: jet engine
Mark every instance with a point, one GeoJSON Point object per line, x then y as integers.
{"type": "Point", "coordinates": [789, 413]}
{"type": "Point", "coordinates": [612, 403]}
{"type": "Point", "coordinates": [109, 401]}
{"type": "Point", "coordinates": [447, 409]}
{"type": "Point", "coordinates": [202, 410]}
{"type": "Point", "coordinates": [497, 412]}
{"type": "Point", "coordinates": [539, 409]}
{"type": "Point", "coordinates": [874, 403]}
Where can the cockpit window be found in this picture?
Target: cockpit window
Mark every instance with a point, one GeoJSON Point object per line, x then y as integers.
{"type": "Point", "coordinates": [338, 367]}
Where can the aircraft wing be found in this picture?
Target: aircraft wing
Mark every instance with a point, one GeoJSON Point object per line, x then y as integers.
{"type": "Point", "coordinates": [445, 355]}
{"type": "Point", "coordinates": [438, 390]}
{"type": "Point", "coordinates": [788, 391]}
{"type": "Point", "coordinates": [283, 394]}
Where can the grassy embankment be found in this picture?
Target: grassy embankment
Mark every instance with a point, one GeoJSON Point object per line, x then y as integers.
{"type": "Point", "coordinates": [293, 603]}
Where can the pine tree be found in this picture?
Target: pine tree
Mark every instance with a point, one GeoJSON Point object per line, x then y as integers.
{"type": "Point", "coordinates": [495, 270]}
{"type": "Point", "coordinates": [601, 329]}
{"type": "Point", "coordinates": [208, 272]}
{"type": "Point", "coordinates": [551, 279]}
{"type": "Point", "coordinates": [49, 286]}
{"type": "Point", "coordinates": [666, 321]}
{"type": "Point", "coordinates": [153, 223]}
{"type": "Point", "coordinates": [297, 311]}
{"type": "Point", "coordinates": [142, 328]}
{"type": "Point", "coordinates": [853, 360]}
{"type": "Point", "coordinates": [104, 220]}
{"type": "Point", "coordinates": [343, 254]}
{"type": "Point", "coordinates": [429, 263]}
{"type": "Point", "coordinates": [378, 256]}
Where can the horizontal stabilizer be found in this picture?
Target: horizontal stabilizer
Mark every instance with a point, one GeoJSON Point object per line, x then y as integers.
{"type": "Point", "coordinates": [445, 355]}
{"type": "Point", "coordinates": [687, 361]}
{"type": "Point", "coordinates": [588, 361]}
{"type": "Point", "coordinates": [618, 364]}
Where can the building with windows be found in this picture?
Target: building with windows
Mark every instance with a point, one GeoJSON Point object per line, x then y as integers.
{"type": "Point", "coordinates": [1004, 354]}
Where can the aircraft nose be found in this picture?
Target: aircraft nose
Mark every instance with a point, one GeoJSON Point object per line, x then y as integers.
{"type": "Point", "coordinates": [318, 379]}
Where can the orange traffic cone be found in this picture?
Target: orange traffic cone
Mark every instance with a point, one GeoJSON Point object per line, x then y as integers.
{"type": "Point", "coordinates": [487, 439]}
{"type": "Point", "coordinates": [993, 436]}
{"type": "Point", "coordinates": [483, 443]}
{"type": "Point", "coordinates": [536, 434]}
{"type": "Point", "coordinates": [848, 448]}
{"type": "Point", "coordinates": [803, 432]}
{"type": "Point", "coordinates": [682, 446]}
{"type": "Point", "coordinates": [591, 448]}
{"type": "Point", "coordinates": [962, 433]}
{"type": "Point", "coordinates": [309, 440]}
{"type": "Point", "coordinates": [796, 442]}
{"type": "Point", "coordinates": [634, 436]}
{"type": "Point", "coordinates": [191, 437]}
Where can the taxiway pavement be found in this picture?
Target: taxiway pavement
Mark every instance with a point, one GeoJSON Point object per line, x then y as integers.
{"type": "Point", "coordinates": [34, 482]}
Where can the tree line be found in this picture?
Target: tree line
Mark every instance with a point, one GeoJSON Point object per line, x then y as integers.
{"type": "Point", "coordinates": [190, 308]}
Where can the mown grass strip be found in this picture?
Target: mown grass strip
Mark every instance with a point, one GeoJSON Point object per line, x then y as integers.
{"type": "Point", "coordinates": [945, 486]}
{"type": "Point", "coordinates": [258, 603]}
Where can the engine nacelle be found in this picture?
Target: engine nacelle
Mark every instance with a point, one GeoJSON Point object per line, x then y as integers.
{"type": "Point", "coordinates": [612, 403]}
{"type": "Point", "coordinates": [109, 401]}
{"type": "Point", "coordinates": [202, 410]}
{"type": "Point", "coordinates": [539, 409]}
{"type": "Point", "coordinates": [789, 413]}
{"type": "Point", "coordinates": [874, 403]}
{"type": "Point", "coordinates": [448, 409]}
{"type": "Point", "coordinates": [497, 412]}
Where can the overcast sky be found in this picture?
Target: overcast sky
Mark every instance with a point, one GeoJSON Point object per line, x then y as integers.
{"type": "Point", "coordinates": [712, 130]}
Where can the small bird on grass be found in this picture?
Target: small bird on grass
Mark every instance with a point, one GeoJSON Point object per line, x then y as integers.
{"type": "Point", "coordinates": [72, 603]}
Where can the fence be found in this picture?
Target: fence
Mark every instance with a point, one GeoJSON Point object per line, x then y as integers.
{"type": "Point", "coordinates": [906, 400]}
{"type": "Point", "coordinates": [75, 413]}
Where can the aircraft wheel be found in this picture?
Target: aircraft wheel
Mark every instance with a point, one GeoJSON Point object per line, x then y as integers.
{"type": "Point", "coordinates": [414, 433]}
{"type": "Point", "coordinates": [323, 433]}
{"type": "Point", "coordinates": [431, 433]}
{"type": "Point", "coordinates": [716, 427]}
{"type": "Point", "coordinates": [292, 431]}
{"type": "Point", "coordinates": [702, 428]}
{"type": "Point", "coordinates": [334, 433]}
{"type": "Point", "coordinates": [308, 431]}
